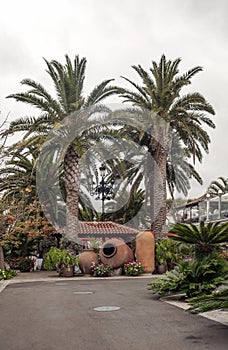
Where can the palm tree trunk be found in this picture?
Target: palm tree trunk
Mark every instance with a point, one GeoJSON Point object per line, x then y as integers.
{"type": "Point", "coordinates": [160, 201]}
{"type": "Point", "coordinates": [1, 258]}
{"type": "Point", "coordinates": [158, 193]}
{"type": "Point", "coordinates": [72, 175]}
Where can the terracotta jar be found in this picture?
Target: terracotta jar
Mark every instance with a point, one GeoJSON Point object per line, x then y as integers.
{"type": "Point", "coordinates": [66, 271]}
{"type": "Point", "coordinates": [145, 250]}
{"type": "Point", "coordinates": [116, 253]}
{"type": "Point", "coordinates": [85, 260]}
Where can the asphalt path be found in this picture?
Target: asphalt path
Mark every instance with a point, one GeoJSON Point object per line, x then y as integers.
{"type": "Point", "coordinates": [61, 315]}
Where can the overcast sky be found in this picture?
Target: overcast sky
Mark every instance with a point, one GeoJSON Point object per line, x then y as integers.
{"type": "Point", "coordinates": [113, 35]}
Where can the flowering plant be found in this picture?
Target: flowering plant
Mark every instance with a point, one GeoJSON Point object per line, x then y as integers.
{"type": "Point", "coordinates": [6, 275]}
{"type": "Point", "coordinates": [101, 270]}
{"type": "Point", "coordinates": [14, 263]}
{"type": "Point", "coordinates": [26, 264]}
{"type": "Point", "coordinates": [133, 268]}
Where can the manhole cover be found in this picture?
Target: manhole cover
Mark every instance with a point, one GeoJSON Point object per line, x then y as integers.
{"type": "Point", "coordinates": [107, 308]}
{"type": "Point", "coordinates": [83, 292]}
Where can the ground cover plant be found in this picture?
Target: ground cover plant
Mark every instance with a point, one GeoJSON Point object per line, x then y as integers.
{"type": "Point", "coordinates": [101, 270]}
{"type": "Point", "coordinates": [133, 268]}
{"type": "Point", "coordinates": [214, 301]}
{"type": "Point", "coordinates": [7, 274]}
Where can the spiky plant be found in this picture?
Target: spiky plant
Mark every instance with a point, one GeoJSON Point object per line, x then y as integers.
{"type": "Point", "coordinates": [215, 301]}
{"type": "Point", "coordinates": [205, 237]}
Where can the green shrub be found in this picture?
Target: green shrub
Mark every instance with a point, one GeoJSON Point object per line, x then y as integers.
{"type": "Point", "coordinates": [203, 276]}
{"type": "Point", "coordinates": [217, 300]}
{"type": "Point", "coordinates": [168, 283]}
{"type": "Point", "coordinates": [7, 274]}
{"type": "Point", "coordinates": [192, 278]}
{"type": "Point", "coordinates": [57, 257]}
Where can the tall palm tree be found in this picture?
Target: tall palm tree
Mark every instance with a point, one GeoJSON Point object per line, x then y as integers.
{"type": "Point", "coordinates": [68, 81]}
{"type": "Point", "coordinates": [167, 110]}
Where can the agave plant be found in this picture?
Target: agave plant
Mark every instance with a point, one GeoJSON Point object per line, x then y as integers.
{"type": "Point", "coordinates": [205, 237]}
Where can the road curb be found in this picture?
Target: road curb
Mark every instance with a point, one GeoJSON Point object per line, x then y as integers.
{"type": "Point", "coordinates": [220, 316]}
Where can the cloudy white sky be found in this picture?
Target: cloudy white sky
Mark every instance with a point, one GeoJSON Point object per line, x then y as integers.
{"type": "Point", "coordinates": [113, 35]}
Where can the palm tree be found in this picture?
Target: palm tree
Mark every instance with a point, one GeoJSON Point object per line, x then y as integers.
{"type": "Point", "coordinates": [204, 237]}
{"type": "Point", "coordinates": [167, 111]}
{"type": "Point", "coordinates": [18, 175]}
{"type": "Point", "coordinates": [178, 168]}
{"type": "Point", "coordinates": [218, 185]}
{"type": "Point", "coordinates": [68, 81]}
{"type": "Point", "coordinates": [1, 249]}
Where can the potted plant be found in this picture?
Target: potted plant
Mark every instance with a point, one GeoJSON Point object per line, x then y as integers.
{"type": "Point", "coordinates": [160, 257]}
{"type": "Point", "coordinates": [95, 244]}
{"type": "Point", "coordinates": [167, 254]}
{"type": "Point", "coordinates": [63, 261]}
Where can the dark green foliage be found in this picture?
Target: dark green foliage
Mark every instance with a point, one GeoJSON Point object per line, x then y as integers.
{"type": "Point", "coordinates": [57, 257]}
{"type": "Point", "coordinates": [217, 300]}
{"type": "Point", "coordinates": [26, 264]}
{"type": "Point", "coordinates": [7, 274]}
{"type": "Point", "coordinates": [169, 283]}
{"type": "Point", "coordinates": [192, 278]}
{"type": "Point", "coordinates": [204, 237]}
{"type": "Point", "coordinates": [203, 276]}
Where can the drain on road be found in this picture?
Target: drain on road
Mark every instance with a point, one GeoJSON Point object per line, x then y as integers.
{"type": "Point", "coordinates": [107, 308]}
{"type": "Point", "coordinates": [61, 284]}
{"type": "Point", "coordinates": [83, 292]}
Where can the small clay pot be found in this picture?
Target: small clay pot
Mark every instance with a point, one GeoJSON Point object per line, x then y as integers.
{"type": "Point", "coordinates": [86, 258]}
{"type": "Point", "coordinates": [66, 271]}
{"type": "Point", "coordinates": [161, 268]}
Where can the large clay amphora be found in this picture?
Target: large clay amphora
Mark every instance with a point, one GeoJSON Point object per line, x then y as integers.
{"type": "Point", "coordinates": [145, 250]}
{"type": "Point", "coordinates": [116, 253]}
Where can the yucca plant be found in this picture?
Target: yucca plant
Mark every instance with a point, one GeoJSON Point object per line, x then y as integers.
{"type": "Point", "coordinates": [205, 237]}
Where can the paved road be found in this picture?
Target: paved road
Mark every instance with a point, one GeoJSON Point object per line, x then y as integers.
{"type": "Point", "coordinates": [54, 316]}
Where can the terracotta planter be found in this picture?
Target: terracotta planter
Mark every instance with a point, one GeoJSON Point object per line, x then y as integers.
{"type": "Point", "coordinates": [66, 271]}
{"type": "Point", "coordinates": [116, 253]}
{"type": "Point", "coordinates": [145, 250]}
{"type": "Point", "coordinates": [170, 266]}
{"type": "Point", "coordinates": [161, 269]}
{"type": "Point", "coordinates": [85, 261]}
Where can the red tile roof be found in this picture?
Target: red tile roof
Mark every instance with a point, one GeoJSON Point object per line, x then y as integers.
{"type": "Point", "coordinates": [101, 228]}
